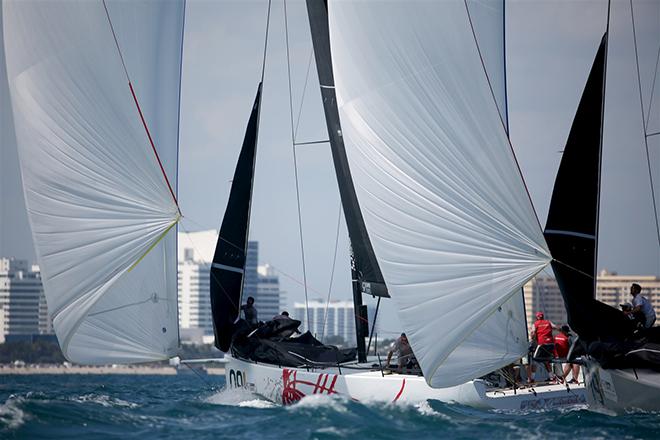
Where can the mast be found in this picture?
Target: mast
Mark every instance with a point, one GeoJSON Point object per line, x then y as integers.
{"type": "Point", "coordinates": [572, 227]}
{"type": "Point", "coordinates": [366, 275]}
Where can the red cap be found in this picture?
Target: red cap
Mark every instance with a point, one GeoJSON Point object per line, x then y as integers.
{"type": "Point", "coordinates": [539, 315]}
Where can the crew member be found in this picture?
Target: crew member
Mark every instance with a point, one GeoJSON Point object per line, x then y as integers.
{"type": "Point", "coordinates": [642, 309]}
{"type": "Point", "coordinates": [404, 351]}
{"type": "Point", "coordinates": [562, 347]}
{"type": "Point", "coordinates": [250, 312]}
{"type": "Point", "coordinates": [542, 335]}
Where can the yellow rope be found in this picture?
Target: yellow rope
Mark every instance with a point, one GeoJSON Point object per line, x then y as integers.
{"type": "Point", "coordinates": [178, 217]}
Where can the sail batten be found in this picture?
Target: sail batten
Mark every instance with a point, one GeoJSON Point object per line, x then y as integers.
{"type": "Point", "coordinates": [97, 200]}
{"type": "Point", "coordinates": [435, 176]}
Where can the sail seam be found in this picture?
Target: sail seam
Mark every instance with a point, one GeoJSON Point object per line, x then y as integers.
{"type": "Point", "coordinates": [571, 233]}
{"type": "Point", "coordinates": [229, 268]}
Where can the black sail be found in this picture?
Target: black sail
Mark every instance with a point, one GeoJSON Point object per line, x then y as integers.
{"type": "Point", "coordinates": [572, 227]}
{"type": "Point", "coordinates": [366, 271]}
{"type": "Point", "coordinates": [228, 264]}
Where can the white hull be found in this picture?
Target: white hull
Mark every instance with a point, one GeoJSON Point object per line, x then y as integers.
{"type": "Point", "coordinates": [622, 390]}
{"type": "Point", "coordinates": [288, 385]}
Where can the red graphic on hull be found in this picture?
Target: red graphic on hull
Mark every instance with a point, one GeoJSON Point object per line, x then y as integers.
{"type": "Point", "coordinates": [290, 382]}
{"type": "Point", "coordinates": [292, 394]}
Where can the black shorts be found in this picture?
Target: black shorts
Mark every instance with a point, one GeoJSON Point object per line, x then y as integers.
{"type": "Point", "coordinates": [544, 352]}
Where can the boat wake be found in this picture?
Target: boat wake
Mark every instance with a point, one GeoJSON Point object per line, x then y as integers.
{"type": "Point", "coordinates": [239, 397]}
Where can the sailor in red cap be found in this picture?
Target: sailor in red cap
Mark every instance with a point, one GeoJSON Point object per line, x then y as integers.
{"type": "Point", "coordinates": [542, 335]}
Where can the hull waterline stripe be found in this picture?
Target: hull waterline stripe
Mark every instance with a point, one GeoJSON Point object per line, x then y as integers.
{"type": "Point", "coordinates": [571, 233]}
{"type": "Point", "coordinates": [225, 267]}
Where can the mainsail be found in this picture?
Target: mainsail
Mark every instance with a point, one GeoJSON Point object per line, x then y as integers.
{"type": "Point", "coordinates": [228, 267]}
{"type": "Point", "coordinates": [572, 227]}
{"type": "Point", "coordinates": [95, 98]}
{"type": "Point", "coordinates": [447, 212]}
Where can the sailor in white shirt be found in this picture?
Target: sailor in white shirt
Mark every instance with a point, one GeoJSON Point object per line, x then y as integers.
{"type": "Point", "coordinates": [641, 305]}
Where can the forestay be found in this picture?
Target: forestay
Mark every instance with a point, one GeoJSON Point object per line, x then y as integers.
{"type": "Point", "coordinates": [451, 223]}
{"type": "Point", "coordinates": [97, 199]}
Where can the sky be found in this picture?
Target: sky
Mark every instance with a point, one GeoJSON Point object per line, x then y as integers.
{"type": "Point", "coordinates": [550, 49]}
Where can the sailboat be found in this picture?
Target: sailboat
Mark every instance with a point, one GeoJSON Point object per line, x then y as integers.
{"type": "Point", "coordinates": [438, 216]}
{"type": "Point", "coordinates": [94, 90]}
{"type": "Point", "coordinates": [621, 366]}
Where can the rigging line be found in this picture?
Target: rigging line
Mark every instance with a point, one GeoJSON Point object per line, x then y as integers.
{"type": "Point", "coordinates": [653, 134]}
{"type": "Point", "coordinates": [295, 162]}
{"type": "Point", "coordinates": [574, 269]}
{"type": "Point", "coordinates": [373, 326]}
{"type": "Point", "coordinates": [137, 104]}
{"type": "Point", "coordinates": [325, 141]}
{"type": "Point", "coordinates": [332, 272]}
{"type": "Point", "coordinates": [655, 76]}
{"type": "Point", "coordinates": [646, 139]}
{"type": "Point", "coordinates": [263, 65]}
{"type": "Point", "coordinates": [302, 98]}
{"type": "Point", "coordinates": [199, 375]}
{"type": "Point", "coordinates": [504, 126]}
{"type": "Point", "coordinates": [219, 237]}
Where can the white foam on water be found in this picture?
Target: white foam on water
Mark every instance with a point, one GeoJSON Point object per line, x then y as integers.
{"type": "Point", "coordinates": [335, 402]}
{"type": "Point", "coordinates": [11, 415]}
{"type": "Point", "coordinates": [239, 397]}
{"type": "Point", "coordinates": [104, 400]}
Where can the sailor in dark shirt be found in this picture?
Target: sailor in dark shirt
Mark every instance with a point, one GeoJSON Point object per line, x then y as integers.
{"type": "Point", "coordinates": [250, 312]}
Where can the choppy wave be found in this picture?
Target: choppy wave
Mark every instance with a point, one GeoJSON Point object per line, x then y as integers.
{"type": "Point", "coordinates": [99, 407]}
{"type": "Point", "coordinates": [11, 414]}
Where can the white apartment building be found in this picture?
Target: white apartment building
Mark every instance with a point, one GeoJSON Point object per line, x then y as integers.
{"type": "Point", "coordinates": [542, 293]}
{"type": "Point", "coordinates": [340, 320]}
{"type": "Point", "coordinates": [23, 308]}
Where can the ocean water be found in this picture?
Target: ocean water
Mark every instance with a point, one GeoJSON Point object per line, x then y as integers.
{"type": "Point", "coordinates": [185, 406]}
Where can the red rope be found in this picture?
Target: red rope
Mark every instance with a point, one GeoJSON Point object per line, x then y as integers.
{"type": "Point", "coordinates": [153, 146]}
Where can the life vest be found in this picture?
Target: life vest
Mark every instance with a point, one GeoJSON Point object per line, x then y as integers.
{"type": "Point", "coordinates": [543, 332]}
{"type": "Point", "coordinates": [561, 345]}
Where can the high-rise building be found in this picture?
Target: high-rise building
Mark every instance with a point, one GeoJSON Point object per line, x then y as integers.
{"type": "Point", "coordinates": [542, 293]}
{"type": "Point", "coordinates": [195, 319]}
{"type": "Point", "coordinates": [22, 302]}
{"type": "Point", "coordinates": [340, 319]}
{"type": "Point", "coordinates": [269, 299]}
{"type": "Point", "coordinates": [251, 275]}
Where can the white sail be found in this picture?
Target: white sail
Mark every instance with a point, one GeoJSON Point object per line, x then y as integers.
{"type": "Point", "coordinates": [452, 225]}
{"type": "Point", "coordinates": [98, 203]}
{"type": "Point", "coordinates": [15, 236]}
{"type": "Point", "coordinates": [488, 23]}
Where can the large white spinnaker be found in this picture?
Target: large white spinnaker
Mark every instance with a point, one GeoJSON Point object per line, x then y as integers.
{"type": "Point", "coordinates": [99, 205]}
{"type": "Point", "coordinates": [452, 225]}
